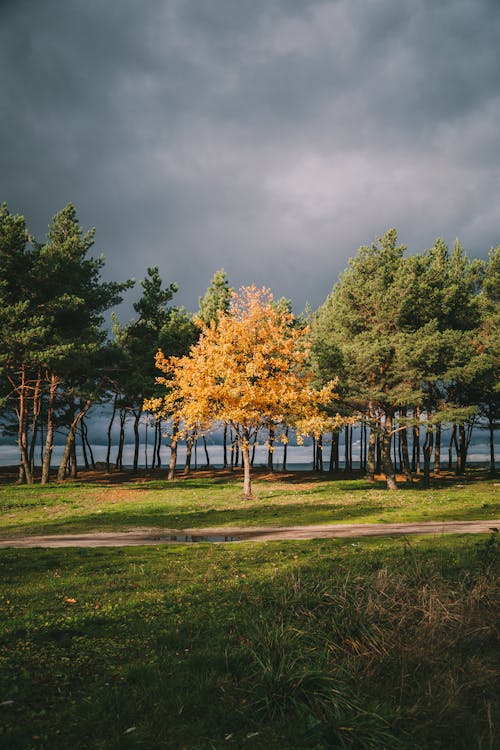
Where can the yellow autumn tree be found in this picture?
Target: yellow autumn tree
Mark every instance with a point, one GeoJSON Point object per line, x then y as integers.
{"type": "Point", "coordinates": [250, 370]}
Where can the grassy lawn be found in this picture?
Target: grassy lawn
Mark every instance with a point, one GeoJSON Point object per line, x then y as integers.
{"type": "Point", "coordinates": [317, 644]}
{"type": "Point", "coordinates": [202, 501]}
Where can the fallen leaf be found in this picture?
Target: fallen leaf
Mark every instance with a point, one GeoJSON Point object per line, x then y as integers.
{"type": "Point", "coordinates": [70, 600]}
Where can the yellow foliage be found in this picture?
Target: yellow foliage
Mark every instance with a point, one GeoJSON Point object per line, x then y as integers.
{"type": "Point", "coordinates": [249, 370]}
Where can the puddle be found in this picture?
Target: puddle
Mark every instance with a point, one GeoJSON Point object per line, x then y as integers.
{"type": "Point", "coordinates": [190, 538]}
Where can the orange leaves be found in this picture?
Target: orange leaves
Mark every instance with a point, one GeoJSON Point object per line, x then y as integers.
{"type": "Point", "coordinates": [248, 370]}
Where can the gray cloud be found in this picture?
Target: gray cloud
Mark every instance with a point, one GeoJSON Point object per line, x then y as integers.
{"type": "Point", "coordinates": [270, 138]}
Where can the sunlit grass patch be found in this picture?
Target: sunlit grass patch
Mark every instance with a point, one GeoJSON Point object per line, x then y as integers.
{"type": "Point", "coordinates": [200, 502]}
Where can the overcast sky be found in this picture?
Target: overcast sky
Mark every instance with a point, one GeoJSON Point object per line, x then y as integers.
{"type": "Point", "coordinates": [267, 137]}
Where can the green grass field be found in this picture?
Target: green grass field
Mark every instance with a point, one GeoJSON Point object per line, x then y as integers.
{"type": "Point", "coordinates": [290, 645]}
{"type": "Point", "coordinates": [202, 501]}
{"type": "Point", "coordinates": [317, 644]}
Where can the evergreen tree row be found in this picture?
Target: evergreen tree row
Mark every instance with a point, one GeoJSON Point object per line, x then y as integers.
{"type": "Point", "coordinates": [413, 340]}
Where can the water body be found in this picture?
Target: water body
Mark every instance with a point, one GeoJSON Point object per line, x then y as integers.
{"type": "Point", "coordinates": [299, 456]}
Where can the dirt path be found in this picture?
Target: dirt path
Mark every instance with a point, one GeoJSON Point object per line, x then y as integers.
{"type": "Point", "coordinates": [250, 534]}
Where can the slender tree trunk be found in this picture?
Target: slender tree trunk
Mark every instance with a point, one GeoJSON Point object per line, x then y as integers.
{"type": "Point", "coordinates": [224, 447]}
{"type": "Point", "coordinates": [361, 444]}
{"type": "Point", "coordinates": [405, 456]}
{"type": "Point", "coordinates": [372, 442]}
{"type": "Point", "coordinates": [333, 464]}
{"type": "Point", "coordinates": [155, 445]}
{"type": "Point", "coordinates": [70, 440]}
{"type": "Point", "coordinates": [270, 449]}
{"type": "Point", "coordinates": [49, 435]}
{"type": "Point", "coordinates": [285, 450]}
{"type": "Point", "coordinates": [84, 447]}
{"type": "Point", "coordinates": [365, 444]}
{"type": "Point", "coordinates": [87, 443]}
{"type": "Point", "coordinates": [415, 465]}
{"type": "Point", "coordinates": [387, 463]}
{"type": "Point", "coordinates": [437, 449]}
{"type": "Point", "coordinates": [158, 444]}
{"type": "Point", "coordinates": [346, 448]}
{"type": "Point", "coordinates": [205, 448]}
{"type": "Point", "coordinates": [491, 431]}
{"type": "Point", "coordinates": [137, 417]}
{"type": "Point", "coordinates": [247, 482]}
{"type": "Point", "coordinates": [427, 451]}
{"type": "Point", "coordinates": [254, 444]}
{"type": "Point", "coordinates": [73, 464]}
{"type": "Point", "coordinates": [121, 440]}
{"type": "Point", "coordinates": [461, 450]}
{"type": "Point", "coordinates": [189, 450]}
{"type": "Point", "coordinates": [453, 444]}
{"type": "Point", "coordinates": [110, 426]}
{"type": "Point", "coordinates": [37, 405]}
{"type": "Point", "coordinates": [464, 438]}
{"type": "Point", "coordinates": [319, 454]}
{"type": "Point", "coordinates": [173, 450]}
{"type": "Point", "coordinates": [22, 421]}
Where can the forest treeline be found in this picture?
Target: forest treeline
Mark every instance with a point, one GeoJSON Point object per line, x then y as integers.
{"type": "Point", "coordinates": [411, 341]}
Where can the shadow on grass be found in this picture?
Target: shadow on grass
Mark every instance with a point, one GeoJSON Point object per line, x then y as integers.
{"type": "Point", "coordinates": [222, 655]}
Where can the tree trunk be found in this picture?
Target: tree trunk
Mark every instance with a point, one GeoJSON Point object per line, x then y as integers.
{"type": "Point", "coordinates": [87, 443]}
{"type": "Point", "coordinates": [386, 457]}
{"type": "Point", "coordinates": [372, 441]}
{"type": "Point", "coordinates": [49, 436]}
{"type": "Point", "coordinates": [245, 452]}
{"type": "Point", "coordinates": [437, 449]}
{"type": "Point", "coordinates": [37, 405]}
{"type": "Point", "coordinates": [334, 453]}
{"type": "Point", "coordinates": [189, 450]}
{"type": "Point", "coordinates": [319, 454]}
{"type": "Point", "coordinates": [121, 440]}
{"type": "Point", "coordinates": [70, 440]}
{"type": "Point", "coordinates": [73, 464]}
{"type": "Point", "coordinates": [491, 430]}
{"type": "Point", "coordinates": [254, 444]}
{"type": "Point", "coordinates": [108, 452]}
{"type": "Point", "coordinates": [173, 450]}
{"type": "Point", "coordinates": [453, 443]}
{"type": "Point", "coordinates": [464, 437]}
{"type": "Point", "coordinates": [158, 444]}
{"type": "Point", "coordinates": [137, 417]}
{"type": "Point", "coordinates": [405, 456]}
{"type": "Point", "coordinates": [224, 446]}
{"type": "Point", "coordinates": [427, 451]}
{"type": "Point", "coordinates": [285, 450]}
{"type": "Point", "coordinates": [270, 449]}
{"type": "Point", "coordinates": [23, 427]}
{"type": "Point", "coordinates": [415, 464]}
{"type": "Point", "coordinates": [84, 447]}
{"type": "Point", "coordinates": [205, 448]}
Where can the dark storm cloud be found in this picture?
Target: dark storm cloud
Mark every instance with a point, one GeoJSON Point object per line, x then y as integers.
{"type": "Point", "coordinates": [270, 138]}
